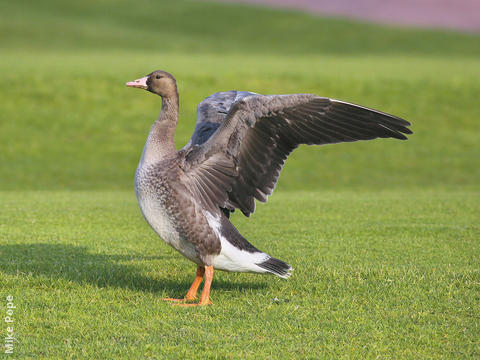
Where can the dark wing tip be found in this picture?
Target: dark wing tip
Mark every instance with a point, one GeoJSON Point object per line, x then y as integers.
{"type": "Point", "coordinates": [398, 125]}
{"type": "Point", "coordinates": [399, 136]}
{"type": "Point", "coordinates": [395, 126]}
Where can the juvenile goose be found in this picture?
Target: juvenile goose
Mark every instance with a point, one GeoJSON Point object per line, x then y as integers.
{"type": "Point", "coordinates": [240, 143]}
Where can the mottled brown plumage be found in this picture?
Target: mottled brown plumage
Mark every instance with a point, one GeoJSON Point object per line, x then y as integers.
{"type": "Point", "coordinates": [235, 155]}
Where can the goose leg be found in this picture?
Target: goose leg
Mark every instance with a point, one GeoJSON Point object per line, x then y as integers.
{"type": "Point", "coordinates": [192, 292]}
{"type": "Point", "coordinates": [205, 296]}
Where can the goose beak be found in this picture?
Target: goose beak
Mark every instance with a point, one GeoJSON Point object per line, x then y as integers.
{"type": "Point", "coordinates": [139, 83]}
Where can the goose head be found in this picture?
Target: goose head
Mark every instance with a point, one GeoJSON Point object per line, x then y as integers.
{"type": "Point", "coordinates": [158, 82]}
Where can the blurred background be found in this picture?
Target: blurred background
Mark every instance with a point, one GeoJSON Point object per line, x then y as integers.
{"type": "Point", "coordinates": [453, 14]}
{"type": "Point", "coordinates": [67, 121]}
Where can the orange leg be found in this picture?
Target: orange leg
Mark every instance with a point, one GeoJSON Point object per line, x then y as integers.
{"type": "Point", "coordinates": [205, 296]}
{"type": "Point", "coordinates": [192, 292]}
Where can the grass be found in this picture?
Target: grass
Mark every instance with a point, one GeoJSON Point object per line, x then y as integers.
{"type": "Point", "coordinates": [199, 26]}
{"type": "Point", "coordinates": [389, 275]}
{"type": "Point", "coordinates": [383, 235]}
{"type": "Point", "coordinates": [74, 105]}
{"type": "Point", "coordinates": [86, 114]}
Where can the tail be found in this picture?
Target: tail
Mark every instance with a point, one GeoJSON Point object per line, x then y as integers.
{"type": "Point", "coordinates": [237, 254]}
{"type": "Point", "coordinates": [277, 267]}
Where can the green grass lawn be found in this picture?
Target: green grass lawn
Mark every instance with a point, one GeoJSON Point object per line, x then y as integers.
{"type": "Point", "coordinates": [388, 275]}
{"type": "Point", "coordinates": [383, 235]}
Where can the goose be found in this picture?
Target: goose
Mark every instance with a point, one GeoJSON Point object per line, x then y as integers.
{"type": "Point", "coordinates": [234, 157]}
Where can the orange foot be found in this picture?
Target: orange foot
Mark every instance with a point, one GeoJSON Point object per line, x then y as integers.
{"type": "Point", "coordinates": [174, 300]}
{"type": "Point", "coordinates": [208, 302]}
{"type": "Point", "coordinates": [206, 271]}
{"type": "Point", "coordinates": [185, 299]}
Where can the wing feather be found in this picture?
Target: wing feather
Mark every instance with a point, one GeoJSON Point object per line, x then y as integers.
{"type": "Point", "coordinates": [242, 158]}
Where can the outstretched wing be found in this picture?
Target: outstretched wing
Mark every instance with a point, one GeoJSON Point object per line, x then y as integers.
{"type": "Point", "coordinates": [242, 160]}
{"type": "Point", "coordinates": [211, 112]}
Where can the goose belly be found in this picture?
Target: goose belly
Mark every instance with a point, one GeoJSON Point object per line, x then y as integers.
{"type": "Point", "coordinates": [163, 223]}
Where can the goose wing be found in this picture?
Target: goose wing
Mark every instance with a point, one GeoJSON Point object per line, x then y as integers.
{"type": "Point", "coordinates": [211, 112]}
{"type": "Point", "coordinates": [242, 158]}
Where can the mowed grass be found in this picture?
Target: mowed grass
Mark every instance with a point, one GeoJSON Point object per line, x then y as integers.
{"type": "Point", "coordinates": [383, 235]}
{"type": "Point", "coordinates": [377, 275]}
{"type": "Point", "coordinates": [69, 122]}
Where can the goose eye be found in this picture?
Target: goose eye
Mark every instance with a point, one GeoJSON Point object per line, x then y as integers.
{"type": "Point", "coordinates": [157, 77]}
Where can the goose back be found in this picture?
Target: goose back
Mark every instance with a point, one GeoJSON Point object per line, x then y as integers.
{"type": "Point", "coordinates": [211, 112]}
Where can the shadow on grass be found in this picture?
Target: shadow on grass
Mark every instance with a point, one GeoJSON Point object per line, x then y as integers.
{"type": "Point", "coordinates": [75, 263]}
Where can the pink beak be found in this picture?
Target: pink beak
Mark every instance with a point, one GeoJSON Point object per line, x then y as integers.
{"type": "Point", "coordinates": [139, 83]}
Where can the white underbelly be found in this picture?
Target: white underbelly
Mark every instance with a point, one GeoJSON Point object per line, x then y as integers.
{"type": "Point", "coordinates": [163, 224]}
